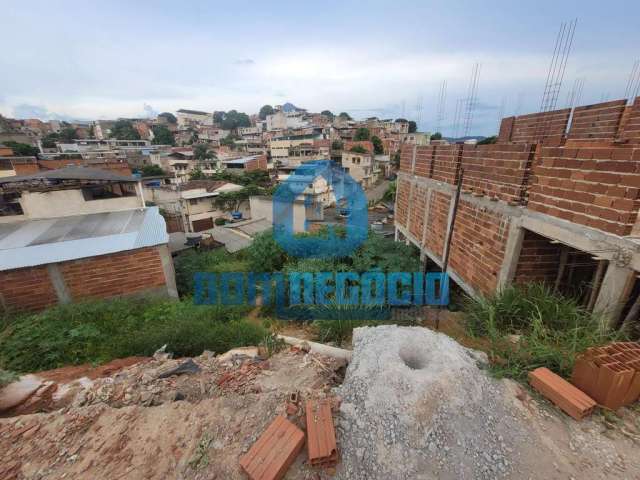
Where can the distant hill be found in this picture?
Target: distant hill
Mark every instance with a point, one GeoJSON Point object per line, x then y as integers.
{"type": "Point", "coordinates": [463, 139]}
{"type": "Point", "coordinates": [290, 107]}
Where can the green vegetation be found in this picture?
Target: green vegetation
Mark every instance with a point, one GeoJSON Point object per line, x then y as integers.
{"type": "Point", "coordinates": [436, 136]}
{"type": "Point", "coordinates": [345, 116]}
{"type": "Point", "coordinates": [529, 326]}
{"type": "Point", "coordinates": [378, 147]}
{"type": "Point", "coordinates": [152, 170]}
{"type": "Point", "coordinates": [336, 145]}
{"type": "Point", "coordinates": [488, 140]}
{"type": "Point", "coordinates": [98, 331]}
{"type": "Point", "coordinates": [66, 135]}
{"type": "Point", "coordinates": [202, 152]}
{"type": "Point", "coordinates": [233, 119]}
{"type": "Point", "coordinates": [6, 377]}
{"type": "Point", "coordinates": [390, 194]}
{"type": "Point", "coordinates": [187, 264]}
{"type": "Point", "coordinates": [328, 114]}
{"type": "Point", "coordinates": [359, 149]}
{"type": "Point", "coordinates": [162, 135]}
{"type": "Point", "coordinates": [22, 149]}
{"type": "Point", "coordinates": [413, 126]}
{"type": "Point", "coordinates": [361, 134]}
{"type": "Point", "coordinates": [265, 111]}
{"type": "Point", "coordinates": [123, 130]}
{"type": "Point", "coordinates": [169, 117]}
{"type": "Point", "coordinates": [231, 201]}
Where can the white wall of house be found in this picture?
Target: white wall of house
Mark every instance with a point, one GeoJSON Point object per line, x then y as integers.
{"type": "Point", "coordinates": [262, 207]}
{"type": "Point", "coordinates": [62, 203]}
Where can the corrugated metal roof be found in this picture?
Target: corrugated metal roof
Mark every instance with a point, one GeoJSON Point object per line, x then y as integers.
{"type": "Point", "coordinates": [39, 242]}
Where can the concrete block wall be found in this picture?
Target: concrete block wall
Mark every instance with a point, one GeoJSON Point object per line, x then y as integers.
{"type": "Point", "coordinates": [124, 273]}
{"type": "Point", "coordinates": [596, 187]}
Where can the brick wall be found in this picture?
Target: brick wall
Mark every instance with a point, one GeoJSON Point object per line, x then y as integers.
{"type": "Point", "coordinates": [27, 289]}
{"type": "Point", "coordinates": [406, 158]}
{"type": "Point", "coordinates": [105, 276]}
{"type": "Point", "coordinates": [630, 125]}
{"type": "Point", "coordinates": [539, 260]}
{"type": "Point", "coordinates": [597, 122]}
{"type": "Point", "coordinates": [260, 163]}
{"type": "Point", "coordinates": [437, 227]}
{"type": "Point", "coordinates": [597, 187]}
{"type": "Point", "coordinates": [478, 246]}
{"type": "Point", "coordinates": [402, 202]}
{"type": "Point", "coordinates": [506, 128]}
{"type": "Point", "coordinates": [417, 212]}
{"type": "Point", "coordinates": [122, 273]}
{"type": "Point", "coordinates": [497, 170]}
{"type": "Point", "coordinates": [534, 127]}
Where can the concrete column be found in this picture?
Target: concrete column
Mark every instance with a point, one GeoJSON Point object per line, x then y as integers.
{"type": "Point", "coordinates": [511, 254]}
{"type": "Point", "coordinates": [59, 285]}
{"type": "Point", "coordinates": [169, 271]}
{"type": "Point", "coordinates": [614, 292]}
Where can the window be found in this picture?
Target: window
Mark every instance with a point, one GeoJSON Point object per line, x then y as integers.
{"type": "Point", "coordinates": [193, 201]}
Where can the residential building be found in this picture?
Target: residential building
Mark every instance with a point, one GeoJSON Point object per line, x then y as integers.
{"type": "Point", "coordinates": [55, 260]}
{"type": "Point", "coordinates": [245, 164]}
{"type": "Point", "coordinates": [192, 118]}
{"type": "Point", "coordinates": [67, 191]}
{"type": "Point", "coordinates": [361, 167]}
{"type": "Point", "coordinates": [190, 206]}
{"type": "Point", "coordinates": [178, 163]}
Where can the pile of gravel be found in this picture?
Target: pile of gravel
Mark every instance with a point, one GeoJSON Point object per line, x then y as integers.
{"type": "Point", "coordinates": [416, 404]}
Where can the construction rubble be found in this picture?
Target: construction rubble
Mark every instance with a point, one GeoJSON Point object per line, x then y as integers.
{"type": "Point", "coordinates": [412, 403]}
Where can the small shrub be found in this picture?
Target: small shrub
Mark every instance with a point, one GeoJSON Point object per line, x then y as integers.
{"type": "Point", "coordinates": [187, 264]}
{"type": "Point", "coordinates": [220, 221]}
{"type": "Point", "coordinates": [7, 377]}
{"type": "Point", "coordinates": [550, 330]}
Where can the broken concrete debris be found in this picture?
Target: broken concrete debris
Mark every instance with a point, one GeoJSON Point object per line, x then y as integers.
{"type": "Point", "coordinates": [188, 366]}
{"type": "Point", "coordinates": [274, 452]}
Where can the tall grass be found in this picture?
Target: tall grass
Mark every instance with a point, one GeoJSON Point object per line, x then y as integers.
{"type": "Point", "coordinates": [98, 331]}
{"type": "Point", "coordinates": [529, 326]}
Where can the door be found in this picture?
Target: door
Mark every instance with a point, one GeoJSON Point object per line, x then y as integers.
{"type": "Point", "coordinates": [204, 224]}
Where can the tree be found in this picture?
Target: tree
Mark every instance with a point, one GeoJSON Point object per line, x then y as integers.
{"type": "Point", "coordinates": [488, 140]}
{"type": "Point", "coordinates": [378, 147]}
{"type": "Point", "coordinates": [265, 254]}
{"type": "Point", "coordinates": [49, 141]}
{"type": "Point", "coordinates": [67, 134]}
{"type": "Point", "coordinates": [197, 174]}
{"type": "Point", "coordinates": [162, 135]}
{"type": "Point", "coordinates": [202, 152]}
{"type": "Point", "coordinates": [22, 149]}
{"type": "Point", "coordinates": [359, 149]}
{"type": "Point", "coordinates": [231, 201]}
{"type": "Point", "coordinates": [328, 114]}
{"type": "Point", "coordinates": [436, 136]}
{"type": "Point", "coordinates": [169, 117]}
{"type": "Point", "coordinates": [413, 126]}
{"type": "Point", "coordinates": [336, 145]}
{"type": "Point", "coordinates": [218, 117]}
{"type": "Point", "coordinates": [234, 119]}
{"type": "Point", "coordinates": [123, 130]}
{"type": "Point", "coordinates": [152, 170]}
{"type": "Point", "coordinates": [345, 116]}
{"type": "Point", "coordinates": [401, 120]}
{"type": "Point", "coordinates": [264, 111]}
{"type": "Point", "coordinates": [361, 134]}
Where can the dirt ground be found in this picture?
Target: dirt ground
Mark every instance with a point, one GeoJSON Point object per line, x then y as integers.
{"type": "Point", "coordinates": [136, 423]}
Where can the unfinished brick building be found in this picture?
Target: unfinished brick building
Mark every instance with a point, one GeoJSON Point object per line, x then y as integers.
{"type": "Point", "coordinates": [556, 199]}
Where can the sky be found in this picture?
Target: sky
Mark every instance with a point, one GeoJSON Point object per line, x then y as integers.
{"type": "Point", "coordinates": [81, 60]}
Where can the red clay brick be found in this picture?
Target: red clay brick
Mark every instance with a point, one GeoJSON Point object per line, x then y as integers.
{"type": "Point", "coordinates": [274, 452]}
{"type": "Point", "coordinates": [321, 436]}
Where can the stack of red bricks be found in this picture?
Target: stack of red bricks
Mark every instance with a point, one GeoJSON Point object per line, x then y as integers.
{"type": "Point", "coordinates": [600, 121]}
{"type": "Point", "coordinates": [597, 187]}
{"type": "Point", "coordinates": [610, 375]}
{"type": "Point", "coordinates": [499, 171]}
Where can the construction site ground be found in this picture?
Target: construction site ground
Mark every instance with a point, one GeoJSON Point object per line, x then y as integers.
{"type": "Point", "coordinates": [133, 419]}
